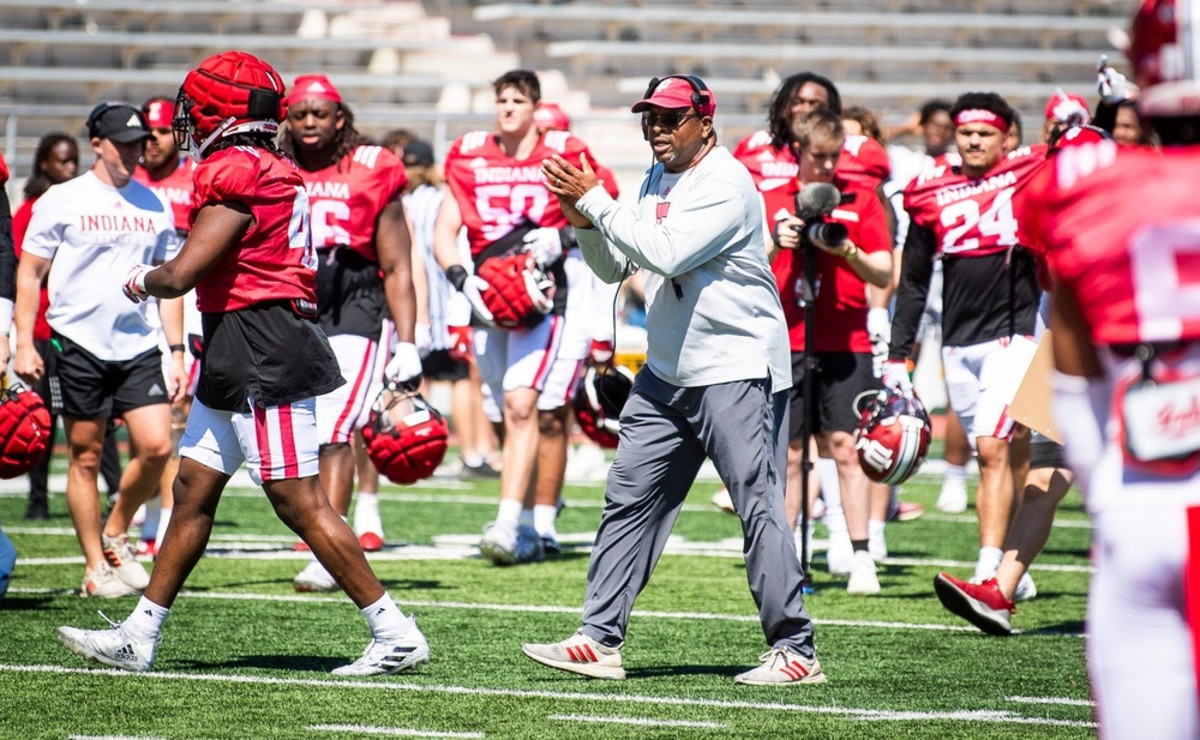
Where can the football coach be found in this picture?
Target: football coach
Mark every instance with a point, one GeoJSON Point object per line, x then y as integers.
{"type": "Point", "coordinates": [714, 384]}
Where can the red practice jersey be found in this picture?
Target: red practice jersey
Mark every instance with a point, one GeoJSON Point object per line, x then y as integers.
{"type": "Point", "coordinates": [275, 259]}
{"type": "Point", "coordinates": [1123, 235]}
{"type": "Point", "coordinates": [497, 193]}
{"type": "Point", "coordinates": [841, 306]}
{"type": "Point", "coordinates": [175, 189]}
{"type": "Point", "coordinates": [863, 162]}
{"type": "Point", "coordinates": [347, 198]}
{"type": "Point", "coordinates": [972, 217]}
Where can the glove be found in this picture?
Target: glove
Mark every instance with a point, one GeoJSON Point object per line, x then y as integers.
{"type": "Point", "coordinates": [460, 343]}
{"type": "Point", "coordinates": [879, 329]}
{"type": "Point", "coordinates": [473, 288]}
{"type": "Point", "coordinates": [601, 352]}
{"type": "Point", "coordinates": [135, 283]}
{"type": "Point", "coordinates": [423, 338]}
{"type": "Point", "coordinates": [405, 364]}
{"type": "Point", "coordinates": [895, 375]}
{"type": "Point", "coordinates": [545, 245]}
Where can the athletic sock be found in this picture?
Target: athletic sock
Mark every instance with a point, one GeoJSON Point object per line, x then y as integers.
{"type": "Point", "coordinates": [989, 562]}
{"type": "Point", "coordinates": [164, 521]}
{"type": "Point", "coordinates": [366, 513]}
{"type": "Point", "coordinates": [385, 618]}
{"type": "Point", "coordinates": [509, 512]}
{"type": "Point", "coordinates": [955, 474]}
{"type": "Point", "coordinates": [525, 519]}
{"type": "Point", "coordinates": [862, 545]}
{"type": "Point", "coordinates": [153, 515]}
{"type": "Point", "coordinates": [146, 620]}
{"type": "Point", "coordinates": [544, 517]}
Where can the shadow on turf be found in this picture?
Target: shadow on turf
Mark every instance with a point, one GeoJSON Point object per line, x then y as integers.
{"type": "Point", "coordinates": [25, 603]}
{"type": "Point", "coordinates": [309, 663]}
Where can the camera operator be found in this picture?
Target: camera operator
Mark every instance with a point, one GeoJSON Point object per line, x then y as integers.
{"type": "Point", "coordinates": [850, 233]}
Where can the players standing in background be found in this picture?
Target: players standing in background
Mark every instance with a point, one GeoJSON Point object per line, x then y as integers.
{"type": "Point", "coordinates": [364, 276]}
{"type": "Point", "coordinates": [168, 172]}
{"type": "Point", "coordinates": [105, 359]}
{"type": "Point", "coordinates": [250, 259]}
{"type": "Point", "coordinates": [56, 160]}
{"type": "Point", "coordinates": [499, 194]}
{"type": "Point", "coordinates": [964, 217]}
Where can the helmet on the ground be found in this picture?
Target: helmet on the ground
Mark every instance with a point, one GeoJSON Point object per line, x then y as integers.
{"type": "Point", "coordinates": [599, 398]}
{"type": "Point", "coordinates": [24, 431]}
{"type": "Point", "coordinates": [229, 93]}
{"type": "Point", "coordinates": [519, 292]}
{"type": "Point", "coordinates": [1163, 48]}
{"type": "Point", "coordinates": [893, 436]}
{"type": "Point", "coordinates": [406, 437]}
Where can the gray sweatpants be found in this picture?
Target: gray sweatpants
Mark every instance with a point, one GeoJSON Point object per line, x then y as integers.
{"type": "Point", "coordinates": [666, 434]}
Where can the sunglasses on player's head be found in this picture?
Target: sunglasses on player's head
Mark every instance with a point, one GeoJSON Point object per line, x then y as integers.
{"type": "Point", "coordinates": [668, 120]}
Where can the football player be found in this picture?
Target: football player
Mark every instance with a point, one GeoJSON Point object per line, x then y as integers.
{"type": "Point", "coordinates": [249, 258]}
{"type": "Point", "coordinates": [499, 195]}
{"type": "Point", "coordinates": [964, 216]}
{"type": "Point", "coordinates": [1123, 240]}
{"type": "Point", "coordinates": [364, 276]}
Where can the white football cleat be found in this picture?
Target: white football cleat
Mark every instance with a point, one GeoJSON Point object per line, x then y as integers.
{"type": "Point", "coordinates": [953, 497]}
{"type": "Point", "coordinates": [1026, 589]}
{"type": "Point", "coordinates": [864, 581]}
{"type": "Point", "coordinates": [314, 579]}
{"type": "Point", "coordinates": [391, 655]}
{"type": "Point", "coordinates": [113, 647]}
{"type": "Point", "coordinates": [840, 555]}
{"type": "Point", "coordinates": [122, 558]}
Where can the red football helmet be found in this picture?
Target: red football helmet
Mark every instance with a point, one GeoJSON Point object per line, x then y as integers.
{"type": "Point", "coordinates": [893, 436]}
{"type": "Point", "coordinates": [24, 431]}
{"type": "Point", "coordinates": [599, 398]}
{"type": "Point", "coordinates": [1076, 136]}
{"type": "Point", "coordinates": [406, 437]}
{"type": "Point", "coordinates": [520, 293]}
{"type": "Point", "coordinates": [229, 93]}
{"type": "Point", "coordinates": [1163, 49]}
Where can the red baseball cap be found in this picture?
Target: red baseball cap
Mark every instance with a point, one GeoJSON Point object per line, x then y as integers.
{"type": "Point", "coordinates": [1062, 106]}
{"type": "Point", "coordinates": [159, 112]}
{"type": "Point", "coordinates": [313, 86]}
{"type": "Point", "coordinates": [549, 117]}
{"type": "Point", "coordinates": [675, 92]}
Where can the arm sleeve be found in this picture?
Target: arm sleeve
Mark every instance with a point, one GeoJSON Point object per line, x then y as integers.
{"type": "Point", "coordinates": [916, 269]}
{"type": "Point", "coordinates": [696, 231]}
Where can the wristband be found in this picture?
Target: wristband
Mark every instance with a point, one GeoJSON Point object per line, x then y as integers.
{"type": "Point", "coordinates": [177, 348]}
{"type": "Point", "coordinates": [457, 275]}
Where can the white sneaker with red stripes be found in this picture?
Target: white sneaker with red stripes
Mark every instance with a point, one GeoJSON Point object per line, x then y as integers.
{"type": "Point", "coordinates": [783, 667]}
{"type": "Point", "coordinates": [579, 654]}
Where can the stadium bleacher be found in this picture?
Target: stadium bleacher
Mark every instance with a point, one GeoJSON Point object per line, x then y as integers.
{"type": "Point", "coordinates": [430, 64]}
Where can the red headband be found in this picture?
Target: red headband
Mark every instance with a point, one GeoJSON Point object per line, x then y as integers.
{"type": "Point", "coordinates": [980, 115]}
{"type": "Point", "coordinates": [313, 86]}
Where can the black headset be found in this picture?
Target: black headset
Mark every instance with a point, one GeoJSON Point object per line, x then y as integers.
{"type": "Point", "coordinates": [93, 119]}
{"type": "Point", "coordinates": [701, 95]}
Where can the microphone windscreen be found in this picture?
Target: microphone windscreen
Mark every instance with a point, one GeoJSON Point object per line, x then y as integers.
{"type": "Point", "coordinates": [817, 199]}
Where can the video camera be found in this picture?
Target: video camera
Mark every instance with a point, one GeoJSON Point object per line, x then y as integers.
{"type": "Point", "coordinates": [814, 203]}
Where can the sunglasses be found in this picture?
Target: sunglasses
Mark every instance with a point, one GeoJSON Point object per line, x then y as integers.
{"type": "Point", "coordinates": [669, 120]}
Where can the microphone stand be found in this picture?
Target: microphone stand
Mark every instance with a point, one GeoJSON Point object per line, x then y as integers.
{"type": "Point", "coordinates": [806, 421]}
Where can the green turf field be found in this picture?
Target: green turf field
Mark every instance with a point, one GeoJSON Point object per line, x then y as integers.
{"type": "Point", "coordinates": [244, 656]}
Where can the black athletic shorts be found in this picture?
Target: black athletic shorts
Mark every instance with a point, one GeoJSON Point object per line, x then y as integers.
{"type": "Point", "coordinates": [842, 378]}
{"type": "Point", "coordinates": [439, 365]}
{"type": "Point", "coordinates": [83, 386]}
{"type": "Point", "coordinates": [1045, 453]}
{"type": "Point", "coordinates": [268, 352]}
{"type": "Point", "coordinates": [349, 293]}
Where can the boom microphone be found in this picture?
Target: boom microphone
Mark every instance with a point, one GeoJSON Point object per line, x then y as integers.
{"type": "Point", "coordinates": [817, 199]}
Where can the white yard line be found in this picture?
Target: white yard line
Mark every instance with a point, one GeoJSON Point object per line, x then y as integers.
{"type": "Point", "coordinates": [636, 721]}
{"type": "Point", "coordinates": [549, 609]}
{"type": "Point", "coordinates": [1051, 700]}
{"type": "Point", "coordinates": [986, 715]}
{"type": "Point", "coordinates": [395, 731]}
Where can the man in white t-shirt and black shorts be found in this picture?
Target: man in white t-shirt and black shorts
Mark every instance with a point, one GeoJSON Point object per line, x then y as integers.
{"type": "Point", "coordinates": [105, 360]}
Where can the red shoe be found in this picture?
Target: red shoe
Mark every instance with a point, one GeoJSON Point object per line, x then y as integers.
{"type": "Point", "coordinates": [370, 542]}
{"type": "Point", "coordinates": [981, 604]}
{"type": "Point", "coordinates": [906, 512]}
{"type": "Point", "coordinates": [147, 549]}
{"type": "Point", "coordinates": [301, 546]}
